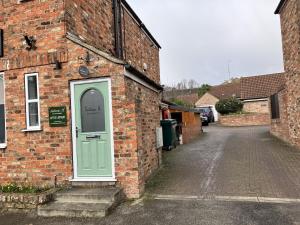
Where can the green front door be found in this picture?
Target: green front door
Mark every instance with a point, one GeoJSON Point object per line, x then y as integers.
{"type": "Point", "coordinates": [93, 130]}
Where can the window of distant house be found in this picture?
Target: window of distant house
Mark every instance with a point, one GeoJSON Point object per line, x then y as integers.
{"type": "Point", "coordinates": [275, 110]}
{"type": "Point", "coordinates": [32, 102]}
{"type": "Point", "coordinates": [2, 113]}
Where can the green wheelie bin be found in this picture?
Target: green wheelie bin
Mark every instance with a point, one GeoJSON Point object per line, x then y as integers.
{"type": "Point", "coordinates": [169, 133]}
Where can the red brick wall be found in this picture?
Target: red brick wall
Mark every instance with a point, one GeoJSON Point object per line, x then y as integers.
{"type": "Point", "coordinates": [245, 120]}
{"type": "Point", "coordinates": [93, 22]}
{"type": "Point", "coordinates": [290, 17]}
{"type": "Point", "coordinates": [147, 117]}
{"type": "Point", "coordinates": [279, 127]}
{"type": "Point", "coordinates": [37, 157]}
{"type": "Point", "coordinates": [139, 49]}
{"type": "Point", "coordinates": [290, 30]}
{"type": "Point", "coordinates": [41, 19]}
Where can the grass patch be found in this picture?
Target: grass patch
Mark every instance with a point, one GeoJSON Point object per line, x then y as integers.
{"type": "Point", "coordinates": [14, 188]}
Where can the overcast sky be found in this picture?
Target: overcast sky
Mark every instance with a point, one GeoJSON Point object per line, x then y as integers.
{"type": "Point", "coordinates": [199, 38]}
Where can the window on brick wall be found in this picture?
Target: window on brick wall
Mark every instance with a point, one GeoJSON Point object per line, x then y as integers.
{"type": "Point", "coordinates": [1, 44]}
{"type": "Point", "coordinates": [32, 102]}
{"type": "Point", "coordinates": [2, 113]}
{"type": "Point", "coordinates": [275, 110]}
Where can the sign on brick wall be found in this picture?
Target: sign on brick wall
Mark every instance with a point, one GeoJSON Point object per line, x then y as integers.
{"type": "Point", "coordinates": [58, 116]}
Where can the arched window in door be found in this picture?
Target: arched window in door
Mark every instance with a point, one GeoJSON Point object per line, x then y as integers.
{"type": "Point", "coordinates": [92, 111]}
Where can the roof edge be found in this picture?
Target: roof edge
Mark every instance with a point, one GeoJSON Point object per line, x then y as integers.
{"type": "Point", "coordinates": [211, 95]}
{"type": "Point", "coordinates": [144, 77]}
{"type": "Point", "coordinates": [279, 7]}
{"type": "Point", "coordinates": [142, 25]}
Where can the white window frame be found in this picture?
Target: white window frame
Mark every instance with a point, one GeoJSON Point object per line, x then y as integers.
{"type": "Point", "coordinates": [37, 100]}
{"type": "Point", "coordinates": [4, 145]}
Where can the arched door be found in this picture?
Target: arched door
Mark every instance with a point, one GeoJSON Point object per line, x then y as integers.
{"type": "Point", "coordinates": [92, 130]}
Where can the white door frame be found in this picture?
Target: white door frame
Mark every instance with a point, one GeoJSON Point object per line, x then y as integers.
{"type": "Point", "coordinates": [4, 145]}
{"type": "Point", "coordinates": [75, 174]}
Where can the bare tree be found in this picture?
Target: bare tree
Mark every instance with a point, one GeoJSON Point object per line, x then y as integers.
{"type": "Point", "coordinates": [192, 84]}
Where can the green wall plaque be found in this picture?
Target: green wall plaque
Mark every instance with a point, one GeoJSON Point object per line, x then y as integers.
{"type": "Point", "coordinates": [58, 116]}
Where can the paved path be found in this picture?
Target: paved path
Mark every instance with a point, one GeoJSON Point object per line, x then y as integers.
{"type": "Point", "coordinates": [229, 176]}
{"type": "Point", "coordinates": [245, 162]}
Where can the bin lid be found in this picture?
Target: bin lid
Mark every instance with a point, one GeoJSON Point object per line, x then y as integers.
{"type": "Point", "coordinates": [168, 122]}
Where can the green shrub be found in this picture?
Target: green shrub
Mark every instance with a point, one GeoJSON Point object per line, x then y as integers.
{"type": "Point", "coordinates": [228, 106]}
{"type": "Point", "coordinates": [180, 102]}
{"type": "Point", "coordinates": [203, 90]}
{"type": "Point", "coordinates": [14, 188]}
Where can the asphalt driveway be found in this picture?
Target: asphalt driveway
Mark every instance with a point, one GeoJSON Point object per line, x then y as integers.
{"type": "Point", "coordinates": [229, 176]}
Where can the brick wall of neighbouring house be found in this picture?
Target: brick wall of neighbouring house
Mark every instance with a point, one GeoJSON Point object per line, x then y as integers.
{"type": "Point", "coordinates": [290, 16]}
{"type": "Point", "coordinates": [147, 118]}
{"type": "Point", "coordinates": [256, 107]}
{"type": "Point", "coordinates": [290, 30]}
{"type": "Point", "coordinates": [245, 120]}
{"type": "Point", "coordinates": [280, 127]}
{"type": "Point", "coordinates": [207, 100]}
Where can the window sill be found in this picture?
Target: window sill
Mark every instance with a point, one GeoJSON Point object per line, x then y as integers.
{"type": "Point", "coordinates": [33, 130]}
{"type": "Point", "coordinates": [3, 146]}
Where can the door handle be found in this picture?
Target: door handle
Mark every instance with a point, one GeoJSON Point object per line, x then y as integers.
{"type": "Point", "coordinates": [77, 130]}
{"type": "Point", "coordinates": [93, 136]}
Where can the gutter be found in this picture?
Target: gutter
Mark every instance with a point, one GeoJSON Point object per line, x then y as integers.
{"type": "Point", "coordinates": [280, 6]}
{"type": "Point", "coordinates": [118, 29]}
{"type": "Point", "coordinates": [255, 100]}
{"type": "Point", "coordinates": [143, 77]}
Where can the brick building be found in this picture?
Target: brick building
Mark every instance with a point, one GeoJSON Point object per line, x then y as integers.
{"type": "Point", "coordinates": [253, 91]}
{"type": "Point", "coordinates": [256, 91]}
{"type": "Point", "coordinates": [285, 104]}
{"type": "Point", "coordinates": [217, 93]}
{"type": "Point", "coordinates": [82, 93]}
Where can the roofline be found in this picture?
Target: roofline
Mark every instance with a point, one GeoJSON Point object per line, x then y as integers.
{"type": "Point", "coordinates": [263, 75]}
{"type": "Point", "coordinates": [140, 22]}
{"type": "Point", "coordinates": [211, 95]}
{"type": "Point", "coordinates": [173, 106]}
{"type": "Point", "coordinates": [255, 99]}
{"type": "Point", "coordinates": [238, 97]}
{"type": "Point", "coordinates": [184, 109]}
{"type": "Point", "coordinates": [279, 7]}
{"type": "Point", "coordinates": [143, 77]}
